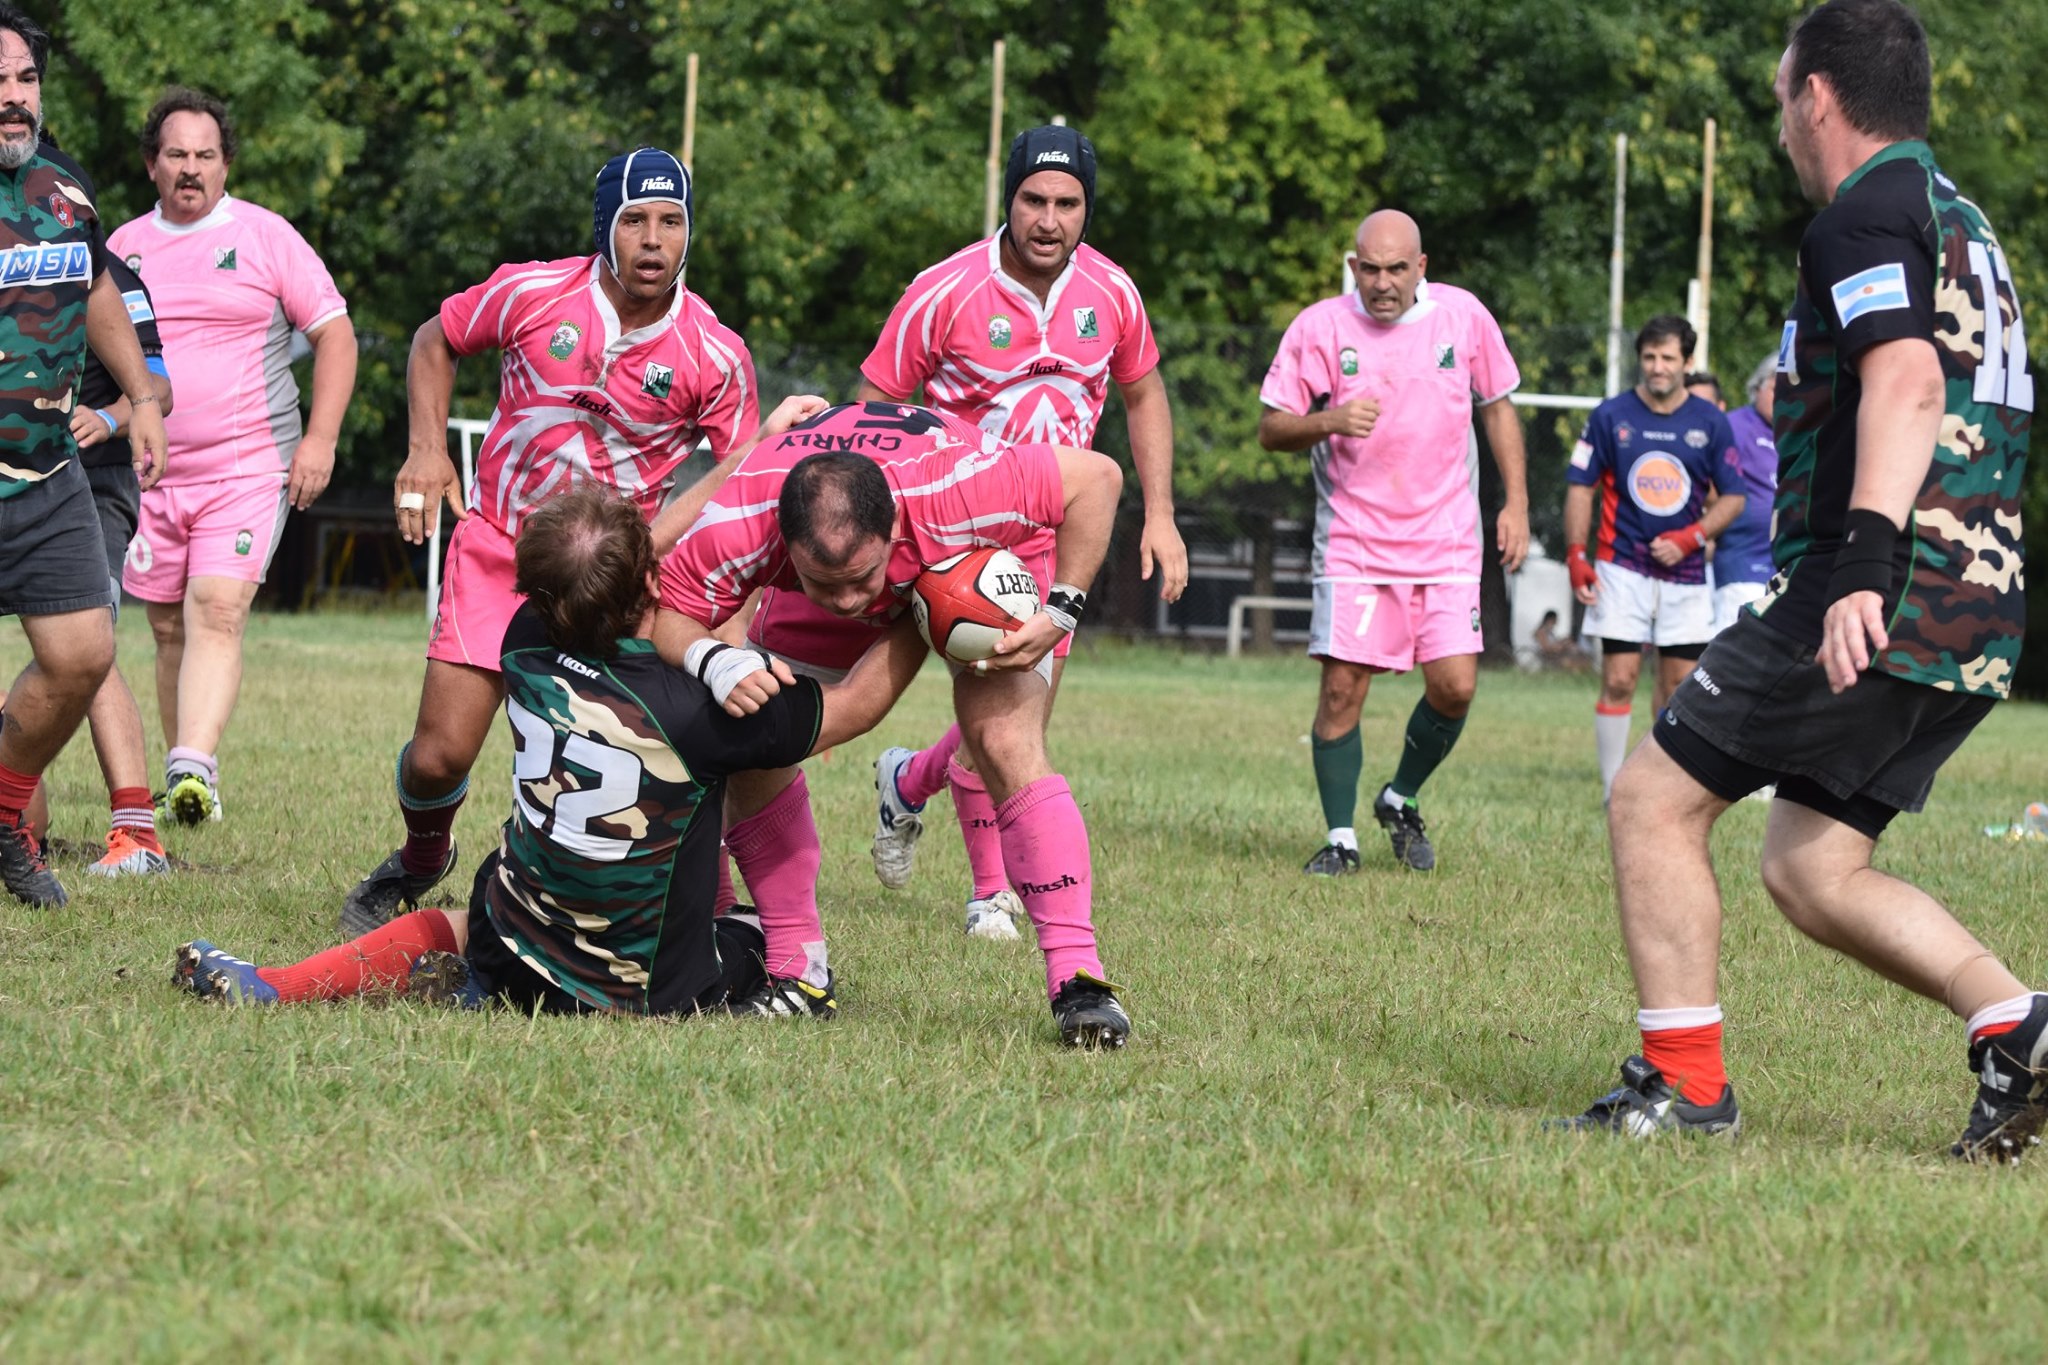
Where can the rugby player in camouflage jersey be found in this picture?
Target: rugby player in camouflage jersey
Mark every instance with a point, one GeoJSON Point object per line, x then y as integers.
{"type": "Point", "coordinates": [1902, 414]}
{"type": "Point", "coordinates": [55, 298]}
{"type": "Point", "coordinates": [600, 897]}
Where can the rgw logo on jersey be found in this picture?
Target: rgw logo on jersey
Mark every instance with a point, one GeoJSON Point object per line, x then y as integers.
{"type": "Point", "coordinates": [46, 263]}
{"type": "Point", "coordinates": [1659, 485]}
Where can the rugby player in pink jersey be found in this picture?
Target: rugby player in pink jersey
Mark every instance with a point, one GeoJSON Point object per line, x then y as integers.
{"type": "Point", "coordinates": [1022, 335]}
{"type": "Point", "coordinates": [1380, 387]}
{"type": "Point", "coordinates": [842, 513]}
{"type": "Point", "coordinates": [612, 371]}
{"type": "Point", "coordinates": [231, 282]}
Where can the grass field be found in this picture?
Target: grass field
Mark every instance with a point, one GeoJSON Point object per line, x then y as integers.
{"type": "Point", "coordinates": [1322, 1143]}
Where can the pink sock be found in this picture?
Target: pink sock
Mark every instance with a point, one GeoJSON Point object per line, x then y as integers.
{"type": "Point", "coordinates": [1046, 843]}
{"type": "Point", "coordinates": [977, 816]}
{"type": "Point", "coordinates": [924, 776]}
{"type": "Point", "coordinates": [778, 853]}
{"type": "Point", "coordinates": [726, 898]}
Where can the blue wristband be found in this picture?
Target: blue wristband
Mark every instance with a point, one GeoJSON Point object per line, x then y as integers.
{"type": "Point", "coordinates": [108, 418]}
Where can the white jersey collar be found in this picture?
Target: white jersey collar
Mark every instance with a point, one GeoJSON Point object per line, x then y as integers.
{"type": "Point", "coordinates": [221, 214]}
{"type": "Point", "coordinates": [613, 339]}
{"type": "Point", "coordinates": [1423, 306]}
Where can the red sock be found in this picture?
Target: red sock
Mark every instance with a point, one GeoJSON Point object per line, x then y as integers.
{"type": "Point", "coordinates": [1690, 1059]}
{"type": "Point", "coordinates": [382, 957]}
{"type": "Point", "coordinates": [15, 791]}
{"type": "Point", "coordinates": [132, 812]}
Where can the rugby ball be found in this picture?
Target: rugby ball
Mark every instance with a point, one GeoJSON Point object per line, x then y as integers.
{"type": "Point", "coordinates": [965, 604]}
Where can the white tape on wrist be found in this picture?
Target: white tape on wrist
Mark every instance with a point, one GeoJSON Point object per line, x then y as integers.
{"type": "Point", "coordinates": [721, 667]}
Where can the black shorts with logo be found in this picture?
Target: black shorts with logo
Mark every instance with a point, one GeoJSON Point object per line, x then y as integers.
{"type": "Point", "coordinates": [503, 975]}
{"type": "Point", "coordinates": [1757, 709]}
{"type": "Point", "coordinates": [52, 556]}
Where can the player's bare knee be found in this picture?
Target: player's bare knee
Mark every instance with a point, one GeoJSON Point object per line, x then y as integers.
{"type": "Point", "coordinates": [1452, 700]}
{"type": "Point", "coordinates": [221, 616]}
{"type": "Point", "coordinates": [167, 625]}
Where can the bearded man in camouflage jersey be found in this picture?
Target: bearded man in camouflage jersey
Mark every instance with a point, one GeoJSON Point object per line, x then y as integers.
{"type": "Point", "coordinates": [55, 298]}
{"type": "Point", "coordinates": [1902, 412]}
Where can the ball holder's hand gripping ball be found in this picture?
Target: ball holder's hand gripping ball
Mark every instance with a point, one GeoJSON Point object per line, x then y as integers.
{"type": "Point", "coordinates": [965, 604]}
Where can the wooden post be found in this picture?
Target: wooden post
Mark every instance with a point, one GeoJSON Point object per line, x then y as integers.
{"type": "Point", "coordinates": [1706, 264]}
{"type": "Point", "coordinates": [995, 148]}
{"type": "Point", "coordinates": [690, 114]}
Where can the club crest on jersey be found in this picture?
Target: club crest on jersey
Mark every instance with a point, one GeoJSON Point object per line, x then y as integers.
{"type": "Point", "coordinates": [134, 263]}
{"type": "Point", "coordinates": [223, 258]}
{"type": "Point", "coordinates": [1347, 360]}
{"type": "Point", "coordinates": [60, 209]}
{"type": "Point", "coordinates": [46, 263]}
{"type": "Point", "coordinates": [1696, 438]}
{"type": "Point", "coordinates": [1659, 485]}
{"type": "Point", "coordinates": [999, 332]}
{"type": "Point", "coordinates": [1446, 356]}
{"type": "Point", "coordinates": [245, 541]}
{"type": "Point", "coordinates": [657, 380]}
{"type": "Point", "coordinates": [1084, 324]}
{"type": "Point", "coordinates": [563, 343]}
{"type": "Point", "coordinates": [1623, 434]}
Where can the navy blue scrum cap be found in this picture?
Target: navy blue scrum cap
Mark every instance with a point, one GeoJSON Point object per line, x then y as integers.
{"type": "Point", "coordinates": [1051, 148]}
{"type": "Point", "coordinates": [641, 176]}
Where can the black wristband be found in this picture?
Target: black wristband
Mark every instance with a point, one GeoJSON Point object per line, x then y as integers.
{"type": "Point", "coordinates": [1864, 563]}
{"type": "Point", "coordinates": [1070, 601]}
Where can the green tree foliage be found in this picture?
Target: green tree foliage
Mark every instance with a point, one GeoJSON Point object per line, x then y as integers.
{"type": "Point", "coordinates": [841, 147]}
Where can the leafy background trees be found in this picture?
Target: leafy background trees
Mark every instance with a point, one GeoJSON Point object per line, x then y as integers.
{"type": "Point", "coordinates": [841, 145]}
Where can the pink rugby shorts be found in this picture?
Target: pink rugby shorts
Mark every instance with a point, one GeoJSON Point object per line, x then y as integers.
{"type": "Point", "coordinates": [477, 598]}
{"type": "Point", "coordinates": [227, 529]}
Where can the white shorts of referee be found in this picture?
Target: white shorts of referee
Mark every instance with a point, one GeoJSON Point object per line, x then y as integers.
{"type": "Point", "coordinates": [1639, 609]}
{"type": "Point", "coordinates": [1731, 598]}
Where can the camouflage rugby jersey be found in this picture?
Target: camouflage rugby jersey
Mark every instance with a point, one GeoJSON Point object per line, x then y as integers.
{"type": "Point", "coordinates": [51, 250]}
{"type": "Point", "coordinates": [609, 861]}
{"type": "Point", "coordinates": [1901, 253]}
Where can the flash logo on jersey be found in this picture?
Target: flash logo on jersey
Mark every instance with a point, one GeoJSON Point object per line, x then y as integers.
{"type": "Point", "coordinates": [657, 380]}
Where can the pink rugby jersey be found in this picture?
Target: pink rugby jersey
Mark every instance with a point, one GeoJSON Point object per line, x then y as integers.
{"type": "Point", "coordinates": [1397, 506]}
{"type": "Point", "coordinates": [956, 487]}
{"type": "Point", "coordinates": [986, 350]}
{"type": "Point", "coordinates": [578, 399]}
{"type": "Point", "coordinates": [229, 291]}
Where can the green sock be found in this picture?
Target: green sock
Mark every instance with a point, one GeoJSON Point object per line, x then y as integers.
{"type": "Point", "coordinates": [1431, 736]}
{"type": "Point", "coordinates": [1338, 763]}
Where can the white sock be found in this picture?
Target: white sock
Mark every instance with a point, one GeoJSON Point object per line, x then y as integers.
{"type": "Point", "coordinates": [1347, 837]}
{"type": "Point", "coordinates": [1695, 1016]}
{"type": "Point", "coordinates": [1610, 737]}
{"type": "Point", "coordinates": [2004, 1012]}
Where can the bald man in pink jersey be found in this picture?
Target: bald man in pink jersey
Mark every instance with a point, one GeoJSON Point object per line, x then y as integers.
{"type": "Point", "coordinates": [612, 372]}
{"type": "Point", "coordinates": [231, 282]}
{"type": "Point", "coordinates": [1022, 335]}
{"type": "Point", "coordinates": [842, 513]}
{"type": "Point", "coordinates": [1380, 387]}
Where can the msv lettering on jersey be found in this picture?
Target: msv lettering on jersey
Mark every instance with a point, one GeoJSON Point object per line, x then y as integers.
{"type": "Point", "coordinates": [46, 263]}
{"type": "Point", "coordinates": [859, 440]}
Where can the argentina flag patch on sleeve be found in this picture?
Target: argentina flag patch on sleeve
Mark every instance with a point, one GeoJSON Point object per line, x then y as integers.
{"type": "Point", "coordinates": [1870, 291]}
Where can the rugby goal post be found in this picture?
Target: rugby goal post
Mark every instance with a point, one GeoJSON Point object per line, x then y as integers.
{"type": "Point", "coordinates": [471, 431]}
